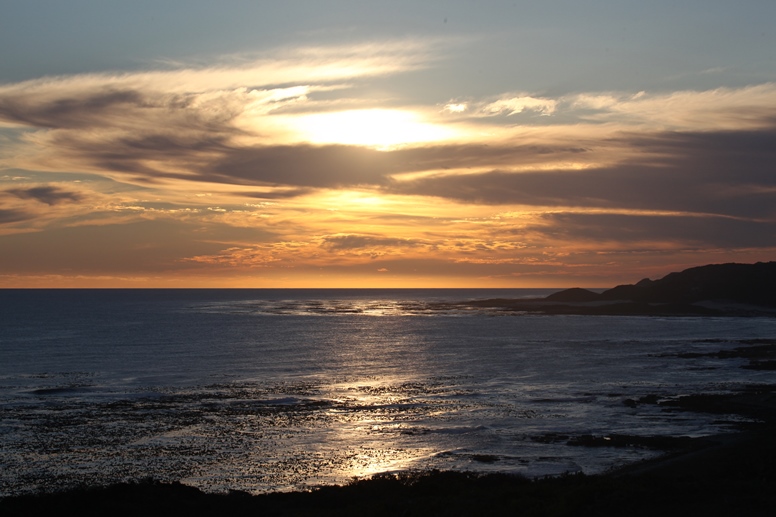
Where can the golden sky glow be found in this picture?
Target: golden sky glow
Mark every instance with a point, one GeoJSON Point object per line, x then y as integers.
{"type": "Point", "coordinates": [379, 128]}
{"type": "Point", "coordinates": [352, 165]}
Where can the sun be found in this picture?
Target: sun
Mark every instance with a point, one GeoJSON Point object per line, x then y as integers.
{"type": "Point", "coordinates": [379, 128]}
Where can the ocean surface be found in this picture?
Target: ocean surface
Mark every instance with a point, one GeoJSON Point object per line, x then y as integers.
{"type": "Point", "coordinates": [262, 390]}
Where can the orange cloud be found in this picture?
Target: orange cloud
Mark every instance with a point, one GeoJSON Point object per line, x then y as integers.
{"type": "Point", "coordinates": [283, 166]}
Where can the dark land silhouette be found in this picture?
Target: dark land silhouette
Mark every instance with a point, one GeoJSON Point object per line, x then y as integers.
{"type": "Point", "coordinates": [712, 290]}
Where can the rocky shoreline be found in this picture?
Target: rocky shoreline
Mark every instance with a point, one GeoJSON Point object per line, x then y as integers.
{"type": "Point", "coordinates": [731, 474]}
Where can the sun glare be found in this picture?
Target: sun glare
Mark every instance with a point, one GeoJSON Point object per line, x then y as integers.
{"type": "Point", "coordinates": [380, 128]}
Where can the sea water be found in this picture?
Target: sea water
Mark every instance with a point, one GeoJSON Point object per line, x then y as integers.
{"type": "Point", "coordinates": [262, 390]}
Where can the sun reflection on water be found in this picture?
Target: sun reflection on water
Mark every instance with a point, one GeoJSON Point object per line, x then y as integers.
{"type": "Point", "coordinates": [375, 424]}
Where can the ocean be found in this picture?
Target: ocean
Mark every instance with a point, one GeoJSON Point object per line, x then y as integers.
{"type": "Point", "coordinates": [265, 390]}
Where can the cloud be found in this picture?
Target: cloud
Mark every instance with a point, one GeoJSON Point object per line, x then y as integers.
{"type": "Point", "coordinates": [13, 216]}
{"type": "Point", "coordinates": [519, 104]}
{"type": "Point", "coordinates": [217, 124]}
{"type": "Point", "coordinates": [221, 125]}
{"type": "Point", "coordinates": [276, 193]}
{"type": "Point", "coordinates": [147, 246]}
{"type": "Point", "coordinates": [726, 173]}
{"type": "Point", "coordinates": [301, 166]}
{"type": "Point", "coordinates": [635, 230]}
{"type": "Point", "coordinates": [709, 110]}
{"type": "Point", "coordinates": [356, 242]}
{"type": "Point", "coordinates": [685, 110]}
{"type": "Point", "coordinates": [46, 194]}
{"type": "Point", "coordinates": [302, 65]}
{"type": "Point", "coordinates": [85, 110]}
{"type": "Point", "coordinates": [455, 107]}
{"type": "Point", "coordinates": [584, 173]}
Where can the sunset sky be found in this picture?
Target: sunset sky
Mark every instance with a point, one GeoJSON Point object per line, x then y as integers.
{"type": "Point", "coordinates": [383, 144]}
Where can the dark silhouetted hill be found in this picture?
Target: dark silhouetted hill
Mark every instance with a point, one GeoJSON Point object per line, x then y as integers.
{"type": "Point", "coordinates": [713, 290]}
{"type": "Point", "coordinates": [574, 295]}
{"type": "Point", "coordinates": [741, 283]}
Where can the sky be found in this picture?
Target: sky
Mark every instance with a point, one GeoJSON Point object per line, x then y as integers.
{"type": "Point", "coordinates": [383, 144]}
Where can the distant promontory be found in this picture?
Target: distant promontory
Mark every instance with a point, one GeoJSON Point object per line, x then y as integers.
{"type": "Point", "coordinates": [713, 290]}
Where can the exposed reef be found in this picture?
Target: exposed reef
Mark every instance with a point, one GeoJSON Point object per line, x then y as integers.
{"type": "Point", "coordinates": [732, 474]}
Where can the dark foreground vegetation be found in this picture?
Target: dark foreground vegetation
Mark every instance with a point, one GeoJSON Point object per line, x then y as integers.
{"type": "Point", "coordinates": [725, 475]}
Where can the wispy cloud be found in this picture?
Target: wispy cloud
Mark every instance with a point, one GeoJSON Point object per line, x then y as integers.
{"type": "Point", "coordinates": [711, 110]}
{"type": "Point", "coordinates": [698, 172]}
{"type": "Point", "coordinates": [219, 157]}
{"type": "Point", "coordinates": [519, 104]}
{"type": "Point", "coordinates": [356, 242]}
{"type": "Point", "coordinates": [46, 194]}
{"type": "Point", "coordinates": [13, 216]}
